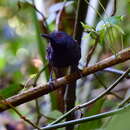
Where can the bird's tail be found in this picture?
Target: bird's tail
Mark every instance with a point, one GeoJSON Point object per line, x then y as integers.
{"type": "Point", "coordinates": [60, 72]}
{"type": "Point", "coordinates": [70, 97]}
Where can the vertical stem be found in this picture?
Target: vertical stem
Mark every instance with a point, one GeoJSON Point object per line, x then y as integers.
{"type": "Point", "coordinates": [80, 16]}
{"type": "Point", "coordinates": [41, 45]}
{"type": "Point", "coordinates": [70, 96]}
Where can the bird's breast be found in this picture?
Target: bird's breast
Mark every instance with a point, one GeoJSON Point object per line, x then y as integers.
{"type": "Point", "coordinates": [63, 57]}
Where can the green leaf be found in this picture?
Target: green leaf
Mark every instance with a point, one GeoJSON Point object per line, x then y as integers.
{"type": "Point", "coordinates": [2, 62]}
{"type": "Point", "coordinates": [86, 36]}
{"type": "Point", "coordinates": [93, 34]}
{"type": "Point", "coordinates": [96, 108]}
{"type": "Point", "coordinates": [87, 27]}
{"type": "Point", "coordinates": [54, 114]}
{"type": "Point", "coordinates": [120, 121]}
{"type": "Point", "coordinates": [11, 90]}
{"type": "Point", "coordinates": [33, 76]}
{"type": "Point", "coordinates": [102, 37]}
{"type": "Point", "coordinates": [106, 22]}
{"type": "Point", "coordinates": [24, 4]}
{"type": "Point", "coordinates": [118, 28]}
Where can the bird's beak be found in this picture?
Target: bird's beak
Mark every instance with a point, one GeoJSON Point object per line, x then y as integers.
{"type": "Point", "coordinates": [47, 36]}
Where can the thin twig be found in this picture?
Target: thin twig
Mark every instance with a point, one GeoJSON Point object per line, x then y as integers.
{"type": "Point", "coordinates": [86, 119]}
{"type": "Point", "coordinates": [43, 17]}
{"type": "Point", "coordinates": [20, 115]}
{"type": "Point", "coordinates": [115, 71]}
{"type": "Point", "coordinates": [38, 111]}
{"type": "Point", "coordinates": [89, 56]}
{"type": "Point", "coordinates": [112, 93]}
{"type": "Point", "coordinates": [114, 8]}
{"type": "Point", "coordinates": [93, 100]}
{"type": "Point", "coordinates": [58, 19]}
{"type": "Point", "coordinates": [38, 74]}
{"type": "Point", "coordinates": [126, 100]}
{"type": "Point", "coordinates": [32, 81]}
{"type": "Point", "coordinates": [36, 100]}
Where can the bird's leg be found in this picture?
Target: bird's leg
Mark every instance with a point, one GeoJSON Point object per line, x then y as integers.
{"type": "Point", "coordinates": [80, 73]}
{"type": "Point", "coordinates": [51, 76]}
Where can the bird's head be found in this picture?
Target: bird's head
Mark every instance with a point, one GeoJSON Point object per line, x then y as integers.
{"type": "Point", "coordinates": [57, 39]}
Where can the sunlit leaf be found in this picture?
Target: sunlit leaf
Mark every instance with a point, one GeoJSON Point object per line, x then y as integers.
{"type": "Point", "coordinates": [87, 27]}
{"type": "Point", "coordinates": [2, 63]}
{"type": "Point", "coordinates": [93, 34]}
{"type": "Point", "coordinates": [108, 21]}
{"type": "Point", "coordinates": [119, 29]}
{"type": "Point", "coordinates": [86, 36]}
{"type": "Point", "coordinates": [102, 37]}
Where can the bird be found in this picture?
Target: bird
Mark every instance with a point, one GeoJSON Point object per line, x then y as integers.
{"type": "Point", "coordinates": [62, 52]}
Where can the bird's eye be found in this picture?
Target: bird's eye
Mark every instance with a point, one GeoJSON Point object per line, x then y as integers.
{"type": "Point", "coordinates": [59, 35]}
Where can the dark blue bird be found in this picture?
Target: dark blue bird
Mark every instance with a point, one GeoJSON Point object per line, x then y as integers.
{"type": "Point", "coordinates": [63, 51]}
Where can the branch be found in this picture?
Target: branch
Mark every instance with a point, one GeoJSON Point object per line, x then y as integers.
{"type": "Point", "coordinates": [115, 71]}
{"type": "Point", "coordinates": [18, 113]}
{"type": "Point", "coordinates": [86, 119]}
{"type": "Point", "coordinates": [43, 89]}
{"type": "Point", "coordinates": [126, 100]}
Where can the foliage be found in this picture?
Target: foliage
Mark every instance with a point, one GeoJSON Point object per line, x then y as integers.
{"type": "Point", "coordinates": [110, 24]}
{"type": "Point", "coordinates": [119, 121]}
